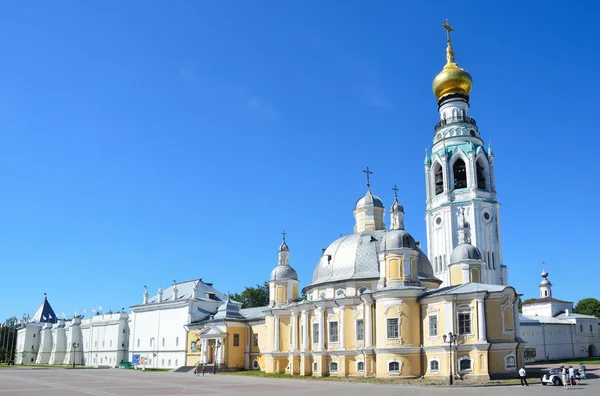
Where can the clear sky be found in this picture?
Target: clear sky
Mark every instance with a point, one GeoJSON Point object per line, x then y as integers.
{"type": "Point", "coordinates": [145, 142]}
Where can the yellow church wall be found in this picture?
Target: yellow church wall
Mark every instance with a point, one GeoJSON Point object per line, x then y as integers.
{"type": "Point", "coordinates": [234, 355]}
{"type": "Point", "coordinates": [269, 333]}
{"type": "Point", "coordinates": [259, 329]}
{"type": "Point", "coordinates": [428, 310]}
{"type": "Point", "coordinates": [407, 311]}
{"type": "Point", "coordinates": [261, 361]}
{"type": "Point", "coordinates": [284, 333]}
{"type": "Point", "coordinates": [493, 314]}
{"type": "Point", "coordinates": [456, 275]}
{"type": "Point", "coordinates": [410, 364]}
{"type": "Point", "coordinates": [350, 317]}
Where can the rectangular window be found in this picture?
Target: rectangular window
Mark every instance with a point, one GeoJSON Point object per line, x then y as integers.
{"type": "Point", "coordinates": [433, 323]}
{"type": "Point", "coordinates": [392, 328]}
{"type": "Point", "coordinates": [360, 330]}
{"type": "Point", "coordinates": [236, 339]}
{"type": "Point", "coordinates": [255, 340]}
{"type": "Point", "coordinates": [591, 329]}
{"type": "Point", "coordinates": [581, 328]}
{"type": "Point", "coordinates": [315, 335]}
{"type": "Point", "coordinates": [333, 331]}
{"type": "Point", "coordinates": [465, 365]}
{"type": "Point", "coordinates": [464, 323]}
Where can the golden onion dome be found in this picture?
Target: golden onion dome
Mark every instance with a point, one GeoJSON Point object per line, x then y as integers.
{"type": "Point", "coordinates": [452, 79]}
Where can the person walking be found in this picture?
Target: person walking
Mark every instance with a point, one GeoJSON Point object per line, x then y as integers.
{"type": "Point", "coordinates": [523, 376]}
{"type": "Point", "coordinates": [563, 373]}
{"type": "Point", "coordinates": [572, 378]}
{"type": "Point", "coordinates": [202, 370]}
{"type": "Point", "coordinates": [582, 370]}
{"type": "Point", "coordinates": [196, 370]}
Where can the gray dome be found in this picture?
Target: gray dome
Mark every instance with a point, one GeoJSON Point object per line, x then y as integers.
{"type": "Point", "coordinates": [282, 272]}
{"type": "Point", "coordinates": [369, 200]}
{"type": "Point", "coordinates": [398, 239]}
{"type": "Point", "coordinates": [465, 251]}
{"type": "Point", "coordinates": [544, 273]}
{"type": "Point", "coordinates": [284, 247]}
{"type": "Point", "coordinates": [356, 256]}
{"type": "Point", "coordinates": [396, 207]}
{"type": "Point", "coordinates": [545, 282]}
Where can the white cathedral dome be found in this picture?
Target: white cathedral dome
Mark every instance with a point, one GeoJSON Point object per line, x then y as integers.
{"type": "Point", "coordinates": [465, 251]}
{"type": "Point", "coordinates": [283, 272]}
{"type": "Point", "coordinates": [356, 256]}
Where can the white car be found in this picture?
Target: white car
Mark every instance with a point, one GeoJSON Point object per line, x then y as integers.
{"type": "Point", "coordinates": [554, 377]}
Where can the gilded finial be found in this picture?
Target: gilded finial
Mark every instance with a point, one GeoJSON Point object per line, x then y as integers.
{"type": "Point", "coordinates": [449, 51]}
{"type": "Point", "coordinates": [395, 189]}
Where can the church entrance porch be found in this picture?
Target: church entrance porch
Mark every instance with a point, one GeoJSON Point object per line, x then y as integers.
{"type": "Point", "coordinates": [591, 351]}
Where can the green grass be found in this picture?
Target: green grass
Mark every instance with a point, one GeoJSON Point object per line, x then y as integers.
{"type": "Point", "coordinates": [589, 360]}
{"type": "Point", "coordinates": [370, 380]}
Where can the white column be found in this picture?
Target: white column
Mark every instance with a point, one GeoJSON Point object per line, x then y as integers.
{"type": "Point", "coordinates": [304, 331]}
{"type": "Point", "coordinates": [481, 320]}
{"type": "Point", "coordinates": [276, 340]}
{"type": "Point", "coordinates": [204, 355]}
{"type": "Point", "coordinates": [221, 353]}
{"type": "Point", "coordinates": [342, 339]}
{"type": "Point", "coordinates": [368, 337]}
{"type": "Point", "coordinates": [321, 328]}
{"type": "Point", "coordinates": [517, 325]}
{"type": "Point", "coordinates": [294, 331]}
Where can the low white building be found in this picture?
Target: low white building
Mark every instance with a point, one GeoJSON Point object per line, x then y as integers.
{"type": "Point", "coordinates": [155, 330]}
{"type": "Point", "coordinates": [552, 331]}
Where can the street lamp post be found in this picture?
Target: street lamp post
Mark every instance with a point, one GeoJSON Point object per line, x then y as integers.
{"type": "Point", "coordinates": [75, 346]}
{"type": "Point", "coordinates": [451, 338]}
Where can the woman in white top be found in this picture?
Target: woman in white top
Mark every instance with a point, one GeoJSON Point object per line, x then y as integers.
{"type": "Point", "coordinates": [563, 373]}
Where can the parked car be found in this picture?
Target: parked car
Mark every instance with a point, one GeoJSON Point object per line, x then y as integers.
{"type": "Point", "coordinates": [554, 377]}
{"type": "Point", "coordinates": [125, 365]}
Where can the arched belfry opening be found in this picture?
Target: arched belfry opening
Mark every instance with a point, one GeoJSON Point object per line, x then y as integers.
{"type": "Point", "coordinates": [438, 177]}
{"type": "Point", "coordinates": [480, 174]}
{"type": "Point", "coordinates": [460, 174]}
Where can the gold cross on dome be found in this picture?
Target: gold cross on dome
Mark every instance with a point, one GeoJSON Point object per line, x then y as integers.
{"type": "Point", "coordinates": [369, 173]}
{"type": "Point", "coordinates": [449, 29]}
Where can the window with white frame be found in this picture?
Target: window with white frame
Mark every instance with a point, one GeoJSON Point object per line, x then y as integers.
{"type": "Point", "coordinates": [394, 367]}
{"type": "Point", "coordinates": [169, 363]}
{"type": "Point", "coordinates": [360, 366]}
{"type": "Point", "coordinates": [163, 341]}
{"type": "Point", "coordinates": [433, 325]}
{"type": "Point", "coordinates": [315, 335]}
{"type": "Point", "coordinates": [236, 339]}
{"type": "Point", "coordinates": [464, 323]}
{"type": "Point", "coordinates": [162, 362]}
{"type": "Point", "coordinates": [315, 366]}
{"type": "Point", "coordinates": [393, 330]}
{"type": "Point", "coordinates": [333, 331]}
{"type": "Point", "coordinates": [434, 366]}
{"type": "Point", "coordinates": [360, 330]}
{"type": "Point", "coordinates": [176, 341]}
{"type": "Point", "coordinates": [255, 364]}
{"type": "Point", "coordinates": [465, 364]}
{"type": "Point", "coordinates": [138, 343]}
{"type": "Point", "coordinates": [333, 367]}
{"type": "Point", "coordinates": [510, 362]}
{"type": "Point", "coordinates": [176, 362]}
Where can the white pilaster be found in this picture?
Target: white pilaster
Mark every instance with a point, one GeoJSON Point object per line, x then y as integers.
{"type": "Point", "coordinates": [481, 320]}
{"type": "Point", "coordinates": [321, 314]}
{"type": "Point", "coordinates": [368, 336]}
{"type": "Point", "coordinates": [342, 331]}
{"type": "Point", "coordinates": [276, 340]}
{"type": "Point", "coordinates": [304, 331]}
{"type": "Point", "coordinates": [294, 331]}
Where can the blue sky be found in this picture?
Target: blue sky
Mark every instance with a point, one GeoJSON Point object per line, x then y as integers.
{"type": "Point", "coordinates": [145, 142]}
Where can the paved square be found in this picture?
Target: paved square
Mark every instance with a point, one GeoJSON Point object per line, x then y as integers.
{"type": "Point", "coordinates": [115, 382]}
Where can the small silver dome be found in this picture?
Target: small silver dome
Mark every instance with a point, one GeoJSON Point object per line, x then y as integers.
{"type": "Point", "coordinates": [465, 251]}
{"type": "Point", "coordinates": [396, 207]}
{"type": "Point", "coordinates": [284, 247]}
{"type": "Point", "coordinates": [544, 274]}
{"type": "Point", "coordinates": [398, 239]}
{"type": "Point", "coordinates": [282, 272]}
{"type": "Point", "coordinates": [545, 282]}
{"type": "Point", "coordinates": [369, 200]}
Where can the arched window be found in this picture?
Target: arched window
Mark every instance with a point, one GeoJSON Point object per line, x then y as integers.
{"type": "Point", "coordinates": [333, 367]}
{"type": "Point", "coordinates": [436, 264]}
{"type": "Point", "coordinates": [394, 367]}
{"type": "Point", "coordinates": [438, 177]}
{"type": "Point", "coordinates": [434, 366]}
{"type": "Point", "coordinates": [138, 343]}
{"type": "Point", "coordinates": [360, 366]}
{"type": "Point", "coordinates": [480, 174]}
{"type": "Point", "coordinates": [169, 362]}
{"type": "Point", "coordinates": [460, 174]}
{"type": "Point", "coordinates": [163, 341]}
{"type": "Point", "coordinates": [176, 341]}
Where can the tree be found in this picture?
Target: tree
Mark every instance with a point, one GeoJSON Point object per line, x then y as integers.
{"type": "Point", "coordinates": [253, 296]}
{"type": "Point", "coordinates": [588, 306]}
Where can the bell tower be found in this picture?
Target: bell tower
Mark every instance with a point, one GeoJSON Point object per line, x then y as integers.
{"type": "Point", "coordinates": [459, 176]}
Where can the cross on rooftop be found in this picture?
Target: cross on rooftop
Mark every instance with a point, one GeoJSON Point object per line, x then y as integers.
{"type": "Point", "coordinates": [449, 29]}
{"type": "Point", "coordinates": [284, 234]}
{"type": "Point", "coordinates": [369, 173]}
{"type": "Point", "coordinates": [395, 189]}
